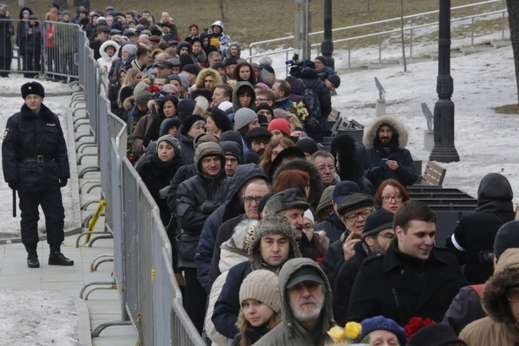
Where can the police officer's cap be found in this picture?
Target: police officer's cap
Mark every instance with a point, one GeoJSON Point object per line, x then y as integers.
{"type": "Point", "coordinates": [32, 88]}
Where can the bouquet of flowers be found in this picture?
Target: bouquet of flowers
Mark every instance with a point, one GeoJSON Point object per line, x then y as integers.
{"type": "Point", "coordinates": [349, 333]}
{"type": "Point", "coordinates": [415, 324]}
{"type": "Point", "coordinates": [300, 110]}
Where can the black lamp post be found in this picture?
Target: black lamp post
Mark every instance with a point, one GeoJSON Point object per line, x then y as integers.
{"type": "Point", "coordinates": [327, 44]}
{"type": "Point", "coordinates": [444, 149]}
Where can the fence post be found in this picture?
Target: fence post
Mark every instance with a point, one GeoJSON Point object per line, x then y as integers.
{"type": "Point", "coordinates": [411, 41]}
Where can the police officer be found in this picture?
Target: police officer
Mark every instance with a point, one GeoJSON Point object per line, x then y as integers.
{"type": "Point", "coordinates": [35, 163]}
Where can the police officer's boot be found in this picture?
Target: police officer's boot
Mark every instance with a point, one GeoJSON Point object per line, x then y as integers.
{"type": "Point", "coordinates": [32, 258]}
{"type": "Point", "coordinates": [57, 258]}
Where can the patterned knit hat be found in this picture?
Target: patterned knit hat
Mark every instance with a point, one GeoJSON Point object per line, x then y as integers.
{"type": "Point", "coordinates": [262, 285]}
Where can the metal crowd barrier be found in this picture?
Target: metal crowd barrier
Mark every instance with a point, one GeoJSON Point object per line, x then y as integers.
{"type": "Point", "coordinates": [39, 48]}
{"type": "Point", "coordinates": [150, 297]}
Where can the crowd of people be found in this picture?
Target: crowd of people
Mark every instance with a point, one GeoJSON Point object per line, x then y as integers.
{"type": "Point", "coordinates": [277, 241]}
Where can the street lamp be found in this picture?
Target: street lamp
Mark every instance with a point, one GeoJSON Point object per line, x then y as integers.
{"type": "Point", "coordinates": [327, 44]}
{"type": "Point", "coordinates": [444, 149]}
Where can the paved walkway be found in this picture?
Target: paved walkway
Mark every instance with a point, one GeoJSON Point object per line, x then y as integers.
{"type": "Point", "coordinates": [102, 305]}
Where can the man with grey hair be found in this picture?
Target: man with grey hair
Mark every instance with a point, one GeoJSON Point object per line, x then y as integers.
{"type": "Point", "coordinates": [306, 302]}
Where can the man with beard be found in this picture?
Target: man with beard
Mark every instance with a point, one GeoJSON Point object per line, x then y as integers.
{"type": "Point", "coordinates": [306, 303]}
{"type": "Point", "coordinates": [386, 156]}
{"type": "Point", "coordinates": [413, 278]}
{"type": "Point", "coordinates": [257, 140]}
{"type": "Point", "coordinates": [376, 236]}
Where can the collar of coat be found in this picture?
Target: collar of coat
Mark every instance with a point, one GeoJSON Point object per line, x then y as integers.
{"type": "Point", "coordinates": [394, 258]}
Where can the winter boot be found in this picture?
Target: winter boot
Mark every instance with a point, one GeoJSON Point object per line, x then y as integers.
{"type": "Point", "coordinates": [32, 258]}
{"type": "Point", "coordinates": [57, 258]}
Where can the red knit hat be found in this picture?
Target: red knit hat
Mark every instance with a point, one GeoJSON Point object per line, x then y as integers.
{"type": "Point", "coordinates": [280, 124]}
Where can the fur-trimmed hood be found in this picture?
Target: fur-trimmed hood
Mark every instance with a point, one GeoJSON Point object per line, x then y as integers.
{"type": "Point", "coordinates": [370, 132]}
{"type": "Point", "coordinates": [217, 79]}
{"type": "Point", "coordinates": [506, 274]}
{"type": "Point", "coordinates": [236, 248]}
{"type": "Point", "coordinates": [104, 55]}
{"type": "Point", "coordinates": [316, 184]}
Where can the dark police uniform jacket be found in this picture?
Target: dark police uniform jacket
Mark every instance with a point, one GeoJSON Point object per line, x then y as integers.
{"type": "Point", "coordinates": [34, 151]}
{"type": "Point", "coordinates": [398, 286]}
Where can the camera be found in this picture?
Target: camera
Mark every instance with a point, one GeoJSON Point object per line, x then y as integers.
{"type": "Point", "coordinates": [296, 65]}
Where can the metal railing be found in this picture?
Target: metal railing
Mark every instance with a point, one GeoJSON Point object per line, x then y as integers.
{"type": "Point", "coordinates": [379, 32]}
{"type": "Point", "coordinates": [150, 297]}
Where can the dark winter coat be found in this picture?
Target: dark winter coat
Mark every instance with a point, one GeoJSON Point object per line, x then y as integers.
{"type": "Point", "coordinates": [188, 148]}
{"type": "Point", "coordinates": [197, 198]}
{"type": "Point", "coordinates": [22, 24]}
{"type": "Point", "coordinates": [28, 138]}
{"type": "Point", "coordinates": [465, 308]}
{"type": "Point", "coordinates": [157, 174]}
{"type": "Point", "coordinates": [406, 172]}
{"type": "Point", "coordinates": [332, 226]}
{"type": "Point", "coordinates": [352, 161]}
{"type": "Point", "coordinates": [399, 286]}
{"type": "Point", "coordinates": [473, 237]}
{"type": "Point", "coordinates": [117, 65]}
{"type": "Point", "coordinates": [253, 334]}
{"type": "Point", "coordinates": [334, 257]}
{"type": "Point", "coordinates": [31, 41]}
{"type": "Point", "coordinates": [344, 280]}
{"type": "Point", "coordinates": [184, 173]}
{"type": "Point", "coordinates": [233, 207]}
{"type": "Point", "coordinates": [6, 33]}
{"type": "Point", "coordinates": [312, 81]}
{"type": "Point", "coordinates": [297, 89]}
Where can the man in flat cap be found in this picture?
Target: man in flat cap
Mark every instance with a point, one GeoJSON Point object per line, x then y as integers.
{"type": "Point", "coordinates": [35, 163]}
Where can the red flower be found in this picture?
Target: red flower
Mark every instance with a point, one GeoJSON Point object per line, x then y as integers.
{"type": "Point", "coordinates": [319, 260]}
{"type": "Point", "coordinates": [154, 89]}
{"type": "Point", "coordinates": [415, 324]}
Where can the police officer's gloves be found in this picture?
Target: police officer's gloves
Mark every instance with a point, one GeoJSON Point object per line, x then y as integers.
{"type": "Point", "coordinates": [14, 185]}
{"type": "Point", "coordinates": [63, 182]}
{"type": "Point", "coordinates": [374, 172]}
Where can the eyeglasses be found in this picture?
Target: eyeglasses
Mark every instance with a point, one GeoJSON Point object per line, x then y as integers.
{"type": "Point", "coordinates": [388, 236]}
{"type": "Point", "coordinates": [261, 100]}
{"type": "Point", "coordinates": [388, 199]}
{"type": "Point", "coordinates": [324, 168]}
{"type": "Point", "coordinates": [355, 216]}
{"type": "Point", "coordinates": [231, 160]}
{"type": "Point", "coordinates": [250, 199]}
{"type": "Point", "coordinates": [308, 227]}
{"type": "Point", "coordinates": [513, 296]}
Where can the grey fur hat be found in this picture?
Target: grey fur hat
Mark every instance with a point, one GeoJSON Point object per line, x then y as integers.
{"type": "Point", "coordinates": [272, 224]}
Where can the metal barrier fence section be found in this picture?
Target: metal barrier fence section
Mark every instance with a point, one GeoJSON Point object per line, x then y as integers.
{"type": "Point", "coordinates": [150, 296]}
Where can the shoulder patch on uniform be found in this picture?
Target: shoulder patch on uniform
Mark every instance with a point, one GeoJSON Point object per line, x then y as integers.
{"type": "Point", "coordinates": [6, 132]}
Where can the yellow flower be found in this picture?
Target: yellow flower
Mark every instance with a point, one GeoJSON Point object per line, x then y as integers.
{"type": "Point", "coordinates": [353, 330]}
{"type": "Point", "coordinates": [337, 334]}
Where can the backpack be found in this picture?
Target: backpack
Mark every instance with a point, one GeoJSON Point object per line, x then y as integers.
{"type": "Point", "coordinates": [312, 122]}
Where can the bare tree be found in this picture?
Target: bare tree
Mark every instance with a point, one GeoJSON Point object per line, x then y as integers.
{"type": "Point", "coordinates": [402, 33]}
{"type": "Point", "coordinates": [513, 18]}
{"type": "Point", "coordinates": [223, 6]}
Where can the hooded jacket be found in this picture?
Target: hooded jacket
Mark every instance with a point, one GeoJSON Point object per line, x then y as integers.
{"type": "Point", "coordinates": [500, 327]}
{"type": "Point", "coordinates": [406, 172]}
{"type": "Point", "coordinates": [227, 306]}
{"type": "Point", "coordinates": [290, 332]}
{"type": "Point", "coordinates": [237, 45]}
{"type": "Point", "coordinates": [22, 24]}
{"type": "Point", "coordinates": [197, 198]}
{"type": "Point", "coordinates": [105, 62]}
{"type": "Point", "coordinates": [228, 210]}
{"type": "Point", "coordinates": [475, 232]}
{"type": "Point", "coordinates": [236, 101]}
{"type": "Point", "coordinates": [206, 72]}
{"type": "Point", "coordinates": [352, 160]}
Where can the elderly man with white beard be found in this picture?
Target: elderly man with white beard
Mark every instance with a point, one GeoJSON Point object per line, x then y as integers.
{"type": "Point", "coordinates": [306, 305]}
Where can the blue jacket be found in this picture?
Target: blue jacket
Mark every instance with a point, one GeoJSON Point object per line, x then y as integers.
{"type": "Point", "coordinates": [230, 209]}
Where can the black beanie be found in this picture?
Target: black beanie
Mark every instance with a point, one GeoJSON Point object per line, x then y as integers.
{"type": "Point", "coordinates": [506, 237]}
{"type": "Point", "coordinates": [378, 221]}
{"type": "Point", "coordinates": [232, 136]}
{"type": "Point", "coordinates": [307, 145]}
{"type": "Point", "coordinates": [185, 108]}
{"type": "Point", "coordinates": [189, 122]}
{"type": "Point", "coordinates": [221, 119]}
{"type": "Point", "coordinates": [32, 88]}
{"type": "Point", "coordinates": [266, 106]}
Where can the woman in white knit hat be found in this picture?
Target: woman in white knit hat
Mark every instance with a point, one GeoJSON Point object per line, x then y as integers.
{"type": "Point", "coordinates": [260, 307]}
